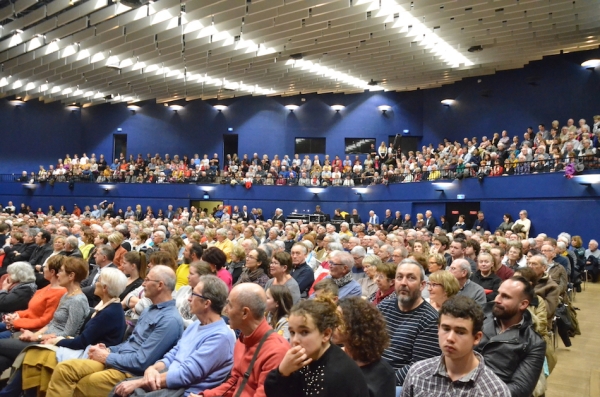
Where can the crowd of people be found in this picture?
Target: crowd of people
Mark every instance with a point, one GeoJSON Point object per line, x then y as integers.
{"type": "Point", "coordinates": [570, 149]}
{"type": "Point", "coordinates": [237, 305]}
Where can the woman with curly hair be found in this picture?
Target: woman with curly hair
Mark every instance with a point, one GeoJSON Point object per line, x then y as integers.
{"type": "Point", "coordinates": [314, 365]}
{"type": "Point", "coordinates": [364, 337]}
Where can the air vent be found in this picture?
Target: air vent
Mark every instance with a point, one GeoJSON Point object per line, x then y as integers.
{"type": "Point", "coordinates": [475, 48]}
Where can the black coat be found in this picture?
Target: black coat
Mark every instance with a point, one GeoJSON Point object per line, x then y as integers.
{"type": "Point", "coordinates": [40, 254]}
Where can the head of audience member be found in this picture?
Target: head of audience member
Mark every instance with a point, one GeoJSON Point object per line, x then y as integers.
{"type": "Point", "coordinates": [215, 257]}
{"type": "Point", "coordinates": [327, 288]}
{"type": "Point", "coordinates": [461, 269]}
{"type": "Point", "coordinates": [486, 264]}
{"type": "Point", "coordinates": [363, 331]}
{"type": "Point", "coordinates": [52, 268]}
{"type": "Point", "coordinates": [340, 264]}
{"type": "Point", "coordinates": [358, 254]}
{"type": "Point", "coordinates": [442, 285]}
{"type": "Point", "coordinates": [197, 270]}
{"type": "Point", "coordinates": [279, 303]}
{"type": "Point", "coordinates": [385, 276]}
{"type": "Point", "coordinates": [539, 264]}
{"type": "Point", "coordinates": [436, 262]}
{"type": "Point", "coordinates": [20, 273]}
{"type": "Point", "coordinates": [281, 265]}
{"type": "Point", "coordinates": [311, 324]}
{"type": "Point", "coordinates": [192, 252]}
{"type": "Point", "coordinates": [410, 282]}
{"type": "Point", "coordinates": [457, 248]}
{"type": "Point", "coordinates": [111, 284]}
{"type": "Point", "coordinates": [460, 328]}
{"type": "Point", "coordinates": [162, 258]}
{"type": "Point", "coordinates": [159, 284]}
{"type": "Point", "coordinates": [104, 255]}
{"type": "Point", "coordinates": [208, 298]}
{"type": "Point", "coordinates": [246, 307]}
{"type": "Point", "coordinates": [257, 259]}
{"type": "Point", "coordinates": [134, 265]}
{"type": "Point", "coordinates": [514, 296]}
{"type": "Point", "coordinates": [298, 253]}
{"type": "Point", "coordinates": [72, 272]}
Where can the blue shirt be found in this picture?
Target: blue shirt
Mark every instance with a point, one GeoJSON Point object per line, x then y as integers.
{"type": "Point", "coordinates": [158, 329]}
{"type": "Point", "coordinates": [202, 358]}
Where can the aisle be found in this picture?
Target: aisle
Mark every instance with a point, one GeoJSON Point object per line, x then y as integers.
{"type": "Point", "coordinates": [573, 372]}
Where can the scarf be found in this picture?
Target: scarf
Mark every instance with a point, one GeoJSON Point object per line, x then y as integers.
{"type": "Point", "coordinates": [379, 296]}
{"type": "Point", "coordinates": [250, 276]}
{"type": "Point", "coordinates": [103, 305]}
{"type": "Point", "coordinates": [340, 282]}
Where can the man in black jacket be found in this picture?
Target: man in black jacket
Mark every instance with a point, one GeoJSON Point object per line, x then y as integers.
{"type": "Point", "coordinates": [104, 256]}
{"type": "Point", "coordinates": [20, 251]}
{"type": "Point", "coordinates": [41, 252]}
{"type": "Point", "coordinates": [510, 345]}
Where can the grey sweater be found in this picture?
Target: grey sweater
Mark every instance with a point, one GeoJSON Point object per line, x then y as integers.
{"type": "Point", "coordinates": [69, 316]}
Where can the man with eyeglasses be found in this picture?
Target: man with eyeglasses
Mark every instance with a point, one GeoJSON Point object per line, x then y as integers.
{"type": "Point", "coordinates": [340, 271]}
{"type": "Point", "coordinates": [158, 329]}
{"type": "Point", "coordinates": [203, 357]}
{"type": "Point", "coordinates": [411, 322]}
{"type": "Point", "coordinates": [555, 270]}
{"type": "Point", "coordinates": [461, 269]}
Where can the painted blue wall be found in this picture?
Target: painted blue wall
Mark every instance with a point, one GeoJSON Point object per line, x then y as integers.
{"type": "Point", "coordinates": [555, 204]}
{"type": "Point", "coordinates": [37, 133]}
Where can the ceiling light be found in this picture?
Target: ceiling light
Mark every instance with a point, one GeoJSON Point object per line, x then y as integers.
{"type": "Point", "coordinates": [337, 108]}
{"type": "Point", "coordinates": [591, 64]}
{"type": "Point", "coordinates": [176, 108]}
{"type": "Point", "coordinates": [384, 108]}
{"type": "Point", "coordinates": [29, 86]}
{"type": "Point", "coordinates": [291, 108]}
{"type": "Point", "coordinates": [16, 102]}
{"type": "Point", "coordinates": [447, 102]}
{"type": "Point", "coordinates": [17, 84]}
{"type": "Point", "coordinates": [133, 108]}
{"type": "Point", "coordinates": [55, 89]}
{"type": "Point", "coordinates": [220, 108]}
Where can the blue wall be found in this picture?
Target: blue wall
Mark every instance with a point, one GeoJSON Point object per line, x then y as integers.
{"type": "Point", "coordinates": [37, 133]}
{"type": "Point", "coordinates": [554, 203]}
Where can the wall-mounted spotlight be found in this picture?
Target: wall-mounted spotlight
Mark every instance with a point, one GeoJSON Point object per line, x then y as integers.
{"type": "Point", "coordinates": [17, 102]}
{"type": "Point", "coordinates": [30, 186]}
{"type": "Point", "coordinates": [220, 108]}
{"type": "Point", "coordinates": [316, 190]}
{"type": "Point", "coordinates": [73, 107]}
{"type": "Point", "coordinates": [176, 108]}
{"type": "Point", "coordinates": [291, 108]}
{"type": "Point", "coordinates": [448, 102]}
{"type": "Point", "coordinates": [591, 64]}
{"type": "Point", "coordinates": [107, 188]}
{"type": "Point", "coordinates": [337, 108]}
{"type": "Point", "coordinates": [587, 180]}
{"type": "Point", "coordinates": [384, 108]}
{"type": "Point", "coordinates": [205, 196]}
{"type": "Point", "coordinates": [133, 108]}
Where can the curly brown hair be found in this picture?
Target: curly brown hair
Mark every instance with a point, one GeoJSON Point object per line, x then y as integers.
{"type": "Point", "coordinates": [365, 328]}
{"type": "Point", "coordinates": [322, 310]}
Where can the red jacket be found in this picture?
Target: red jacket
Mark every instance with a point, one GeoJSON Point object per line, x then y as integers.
{"type": "Point", "coordinates": [270, 356]}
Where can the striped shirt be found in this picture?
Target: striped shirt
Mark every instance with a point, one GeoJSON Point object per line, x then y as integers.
{"type": "Point", "coordinates": [429, 378]}
{"type": "Point", "coordinates": [413, 336]}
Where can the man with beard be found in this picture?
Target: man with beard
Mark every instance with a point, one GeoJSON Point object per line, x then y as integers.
{"type": "Point", "coordinates": [411, 322]}
{"type": "Point", "coordinates": [510, 345]}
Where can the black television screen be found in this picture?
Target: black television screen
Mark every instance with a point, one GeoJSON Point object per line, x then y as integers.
{"type": "Point", "coordinates": [359, 145]}
{"type": "Point", "coordinates": [310, 145]}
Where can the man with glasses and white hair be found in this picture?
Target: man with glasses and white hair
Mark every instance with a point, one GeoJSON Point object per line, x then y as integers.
{"type": "Point", "coordinates": [156, 332]}
{"type": "Point", "coordinates": [411, 322]}
{"type": "Point", "coordinates": [340, 271]}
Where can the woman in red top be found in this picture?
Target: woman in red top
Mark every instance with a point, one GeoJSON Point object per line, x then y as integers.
{"type": "Point", "coordinates": [42, 305]}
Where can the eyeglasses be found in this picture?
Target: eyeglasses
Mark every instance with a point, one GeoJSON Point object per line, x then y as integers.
{"type": "Point", "coordinates": [433, 285]}
{"type": "Point", "coordinates": [251, 257]}
{"type": "Point", "coordinates": [336, 264]}
{"type": "Point", "coordinates": [147, 279]}
{"type": "Point", "coordinates": [199, 296]}
{"type": "Point", "coordinates": [382, 277]}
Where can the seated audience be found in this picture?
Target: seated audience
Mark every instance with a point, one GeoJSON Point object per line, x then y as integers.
{"type": "Point", "coordinates": [134, 267]}
{"type": "Point", "coordinates": [368, 284]}
{"type": "Point", "coordinates": [385, 276]}
{"type": "Point", "coordinates": [257, 268]}
{"type": "Point", "coordinates": [158, 329]}
{"type": "Point", "coordinates": [68, 317]}
{"type": "Point", "coordinates": [182, 296]}
{"type": "Point", "coordinates": [461, 269]}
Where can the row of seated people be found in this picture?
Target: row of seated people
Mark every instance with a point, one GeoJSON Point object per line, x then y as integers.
{"type": "Point", "coordinates": [386, 175]}
{"type": "Point", "coordinates": [271, 280]}
{"type": "Point", "coordinates": [547, 150]}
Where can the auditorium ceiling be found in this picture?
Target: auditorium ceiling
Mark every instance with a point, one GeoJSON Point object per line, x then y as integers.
{"type": "Point", "coordinates": [97, 51]}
